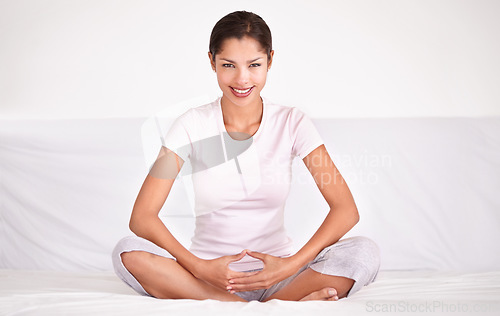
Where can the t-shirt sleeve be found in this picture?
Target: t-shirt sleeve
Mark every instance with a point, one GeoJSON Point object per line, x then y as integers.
{"type": "Point", "coordinates": [305, 136]}
{"type": "Point", "coordinates": [178, 138]}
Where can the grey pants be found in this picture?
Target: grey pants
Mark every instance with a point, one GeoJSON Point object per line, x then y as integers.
{"type": "Point", "coordinates": [356, 258]}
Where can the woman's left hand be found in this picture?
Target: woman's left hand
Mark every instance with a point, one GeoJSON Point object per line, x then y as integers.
{"type": "Point", "coordinates": [275, 270]}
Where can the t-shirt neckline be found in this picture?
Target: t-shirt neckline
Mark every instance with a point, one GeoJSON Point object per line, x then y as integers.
{"type": "Point", "coordinates": [222, 127]}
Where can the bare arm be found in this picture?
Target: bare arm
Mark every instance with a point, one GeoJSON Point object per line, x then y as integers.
{"type": "Point", "coordinates": [144, 221]}
{"type": "Point", "coordinates": [343, 214]}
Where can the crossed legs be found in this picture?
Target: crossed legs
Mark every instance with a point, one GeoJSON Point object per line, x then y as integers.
{"type": "Point", "coordinates": [165, 278]}
{"type": "Point", "coordinates": [312, 285]}
{"type": "Point", "coordinates": [147, 267]}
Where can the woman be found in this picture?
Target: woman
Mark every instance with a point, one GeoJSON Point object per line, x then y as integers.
{"type": "Point", "coordinates": [241, 148]}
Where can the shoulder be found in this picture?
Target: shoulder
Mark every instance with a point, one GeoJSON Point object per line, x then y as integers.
{"type": "Point", "coordinates": [198, 114]}
{"type": "Point", "coordinates": [289, 114]}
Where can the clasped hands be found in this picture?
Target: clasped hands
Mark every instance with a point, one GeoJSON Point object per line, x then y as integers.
{"type": "Point", "coordinates": [218, 273]}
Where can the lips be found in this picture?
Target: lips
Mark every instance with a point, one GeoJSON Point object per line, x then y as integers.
{"type": "Point", "coordinates": [242, 92]}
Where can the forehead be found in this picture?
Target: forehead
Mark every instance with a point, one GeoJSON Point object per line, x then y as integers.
{"type": "Point", "coordinates": [243, 48]}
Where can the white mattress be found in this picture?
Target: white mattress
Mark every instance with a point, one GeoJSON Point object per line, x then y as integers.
{"type": "Point", "coordinates": [31, 292]}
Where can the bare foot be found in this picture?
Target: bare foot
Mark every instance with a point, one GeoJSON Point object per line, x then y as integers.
{"type": "Point", "coordinates": [326, 294]}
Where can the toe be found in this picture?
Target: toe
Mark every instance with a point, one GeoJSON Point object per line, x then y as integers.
{"type": "Point", "coordinates": [331, 293]}
{"type": "Point", "coordinates": [325, 294]}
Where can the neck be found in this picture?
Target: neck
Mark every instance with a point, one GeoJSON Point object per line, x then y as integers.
{"type": "Point", "coordinates": [241, 116]}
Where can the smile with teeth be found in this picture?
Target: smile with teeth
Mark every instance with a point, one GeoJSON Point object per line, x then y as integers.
{"type": "Point", "coordinates": [242, 91]}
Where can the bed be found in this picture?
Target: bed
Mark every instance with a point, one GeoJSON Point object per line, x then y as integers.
{"type": "Point", "coordinates": [29, 292]}
{"type": "Point", "coordinates": [426, 190]}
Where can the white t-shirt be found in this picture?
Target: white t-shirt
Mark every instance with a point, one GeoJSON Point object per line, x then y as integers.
{"type": "Point", "coordinates": [241, 186]}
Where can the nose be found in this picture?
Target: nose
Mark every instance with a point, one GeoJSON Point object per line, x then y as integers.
{"type": "Point", "coordinates": [243, 77]}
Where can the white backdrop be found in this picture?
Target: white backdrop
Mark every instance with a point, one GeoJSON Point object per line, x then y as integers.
{"type": "Point", "coordinates": [361, 58]}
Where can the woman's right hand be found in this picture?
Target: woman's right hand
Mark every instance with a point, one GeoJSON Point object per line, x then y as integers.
{"type": "Point", "coordinates": [217, 272]}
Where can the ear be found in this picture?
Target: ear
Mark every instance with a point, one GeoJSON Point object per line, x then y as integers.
{"type": "Point", "coordinates": [212, 63]}
{"type": "Point", "coordinates": [270, 61]}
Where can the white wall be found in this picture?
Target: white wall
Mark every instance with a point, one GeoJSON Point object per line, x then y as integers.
{"type": "Point", "coordinates": [363, 58]}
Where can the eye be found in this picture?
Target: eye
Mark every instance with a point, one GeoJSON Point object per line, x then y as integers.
{"type": "Point", "coordinates": [228, 65]}
{"type": "Point", "coordinates": [255, 65]}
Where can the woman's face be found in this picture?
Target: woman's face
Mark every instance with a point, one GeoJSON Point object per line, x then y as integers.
{"type": "Point", "coordinates": [241, 67]}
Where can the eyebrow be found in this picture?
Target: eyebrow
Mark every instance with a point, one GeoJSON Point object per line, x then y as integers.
{"type": "Point", "coordinates": [250, 61]}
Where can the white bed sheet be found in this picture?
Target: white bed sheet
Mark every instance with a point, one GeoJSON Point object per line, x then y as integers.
{"type": "Point", "coordinates": [31, 292]}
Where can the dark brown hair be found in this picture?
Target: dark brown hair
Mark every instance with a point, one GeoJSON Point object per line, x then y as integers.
{"type": "Point", "coordinates": [239, 24]}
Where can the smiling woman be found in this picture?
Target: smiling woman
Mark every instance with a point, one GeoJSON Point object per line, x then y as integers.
{"type": "Point", "coordinates": [241, 54]}
{"type": "Point", "coordinates": [241, 67]}
{"type": "Point", "coordinates": [240, 206]}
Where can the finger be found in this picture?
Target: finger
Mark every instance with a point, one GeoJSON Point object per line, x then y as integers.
{"type": "Point", "coordinates": [258, 277]}
{"type": "Point", "coordinates": [237, 257]}
{"type": "Point", "coordinates": [258, 255]}
{"type": "Point", "coordinates": [254, 282]}
{"type": "Point", "coordinates": [236, 274]}
{"type": "Point", "coordinates": [247, 287]}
